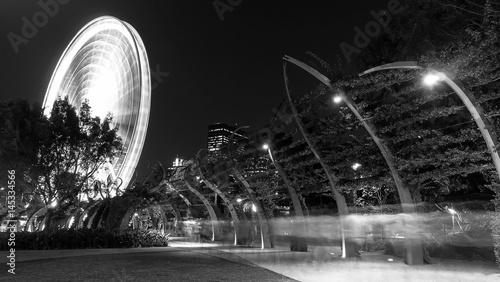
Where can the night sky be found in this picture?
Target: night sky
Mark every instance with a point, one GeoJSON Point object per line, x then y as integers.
{"type": "Point", "coordinates": [219, 71]}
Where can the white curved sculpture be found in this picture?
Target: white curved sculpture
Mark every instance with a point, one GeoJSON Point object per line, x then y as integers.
{"type": "Point", "coordinates": [106, 63]}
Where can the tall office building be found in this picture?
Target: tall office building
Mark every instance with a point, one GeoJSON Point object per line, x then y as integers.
{"type": "Point", "coordinates": [179, 162]}
{"type": "Point", "coordinates": [218, 138]}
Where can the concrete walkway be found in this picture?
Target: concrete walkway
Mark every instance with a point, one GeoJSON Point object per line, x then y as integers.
{"type": "Point", "coordinates": [320, 263]}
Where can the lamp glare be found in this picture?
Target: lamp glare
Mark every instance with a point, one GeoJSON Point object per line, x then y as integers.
{"type": "Point", "coordinates": [431, 79]}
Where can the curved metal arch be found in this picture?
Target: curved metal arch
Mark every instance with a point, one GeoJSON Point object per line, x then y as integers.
{"type": "Point", "coordinates": [227, 202]}
{"type": "Point", "coordinates": [469, 100]}
{"type": "Point", "coordinates": [85, 213]}
{"type": "Point", "coordinates": [413, 244]}
{"type": "Point", "coordinates": [332, 179]}
{"type": "Point", "coordinates": [216, 230]}
{"type": "Point", "coordinates": [31, 220]}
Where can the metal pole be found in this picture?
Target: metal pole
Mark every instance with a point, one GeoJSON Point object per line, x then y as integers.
{"type": "Point", "coordinates": [470, 102]}
{"type": "Point", "coordinates": [413, 245]}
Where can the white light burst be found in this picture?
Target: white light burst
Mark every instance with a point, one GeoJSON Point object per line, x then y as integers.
{"type": "Point", "coordinates": [106, 63]}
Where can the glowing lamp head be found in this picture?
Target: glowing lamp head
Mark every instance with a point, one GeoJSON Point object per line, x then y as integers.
{"type": "Point", "coordinates": [337, 99]}
{"type": "Point", "coordinates": [431, 79]}
{"type": "Point", "coordinates": [254, 208]}
{"type": "Point", "coordinates": [355, 166]}
{"type": "Point", "coordinates": [239, 200]}
{"type": "Point", "coordinates": [53, 204]}
{"type": "Point", "coordinates": [265, 147]}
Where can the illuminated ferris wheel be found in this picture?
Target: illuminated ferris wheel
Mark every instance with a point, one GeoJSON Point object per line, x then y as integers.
{"type": "Point", "coordinates": [106, 63]}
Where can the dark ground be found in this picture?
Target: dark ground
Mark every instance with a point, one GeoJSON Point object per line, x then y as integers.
{"type": "Point", "coordinates": [171, 265]}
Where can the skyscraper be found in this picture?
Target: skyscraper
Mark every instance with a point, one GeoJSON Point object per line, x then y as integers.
{"type": "Point", "coordinates": [219, 135]}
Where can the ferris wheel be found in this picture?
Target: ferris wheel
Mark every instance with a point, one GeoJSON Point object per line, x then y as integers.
{"type": "Point", "coordinates": [106, 63]}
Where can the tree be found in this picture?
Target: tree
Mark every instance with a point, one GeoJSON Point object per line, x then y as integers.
{"type": "Point", "coordinates": [21, 128]}
{"type": "Point", "coordinates": [71, 153]}
{"type": "Point", "coordinates": [438, 148]}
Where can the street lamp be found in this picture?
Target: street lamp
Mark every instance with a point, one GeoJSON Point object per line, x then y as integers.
{"type": "Point", "coordinates": [337, 99]}
{"type": "Point", "coordinates": [414, 247]}
{"type": "Point", "coordinates": [469, 100]}
{"type": "Point", "coordinates": [453, 214]}
{"type": "Point", "coordinates": [268, 148]}
{"type": "Point", "coordinates": [356, 166]}
{"type": "Point", "coordinates": [431, 79]}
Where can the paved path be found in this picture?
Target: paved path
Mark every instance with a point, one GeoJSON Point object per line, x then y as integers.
{"type": "Point", "coordinates": [147, 264]}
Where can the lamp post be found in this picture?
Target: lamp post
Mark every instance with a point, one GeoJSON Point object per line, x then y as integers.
{"type": "Point", "coordinates": [300, 242]}
{"type": "Point", "coordinates": [470, 102]}
{"type": "Point", "coordinates": [227, 202]}
{"type": "Point", "coordinates": [414, 251]}
{"type": "Point", "coordinates": [265, 233]}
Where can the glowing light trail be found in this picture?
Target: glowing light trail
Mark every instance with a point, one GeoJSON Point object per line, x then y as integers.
{"type": "Point", "coordinates": [106, 63]}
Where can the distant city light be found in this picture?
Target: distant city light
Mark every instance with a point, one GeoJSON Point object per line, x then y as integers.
{"type": "Point", "coordinates": [239, 200]}
{"type": "Point", "coordinates": [53, 204]}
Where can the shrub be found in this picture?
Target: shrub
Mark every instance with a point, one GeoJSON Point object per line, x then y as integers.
{"type": "Point", "coordinates": [84, 239]}
{"type": "Point", "coordinates": [150, 238]}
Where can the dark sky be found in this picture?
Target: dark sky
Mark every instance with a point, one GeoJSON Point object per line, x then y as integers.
{"type": "Point", "coordinates": [220, 71]}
